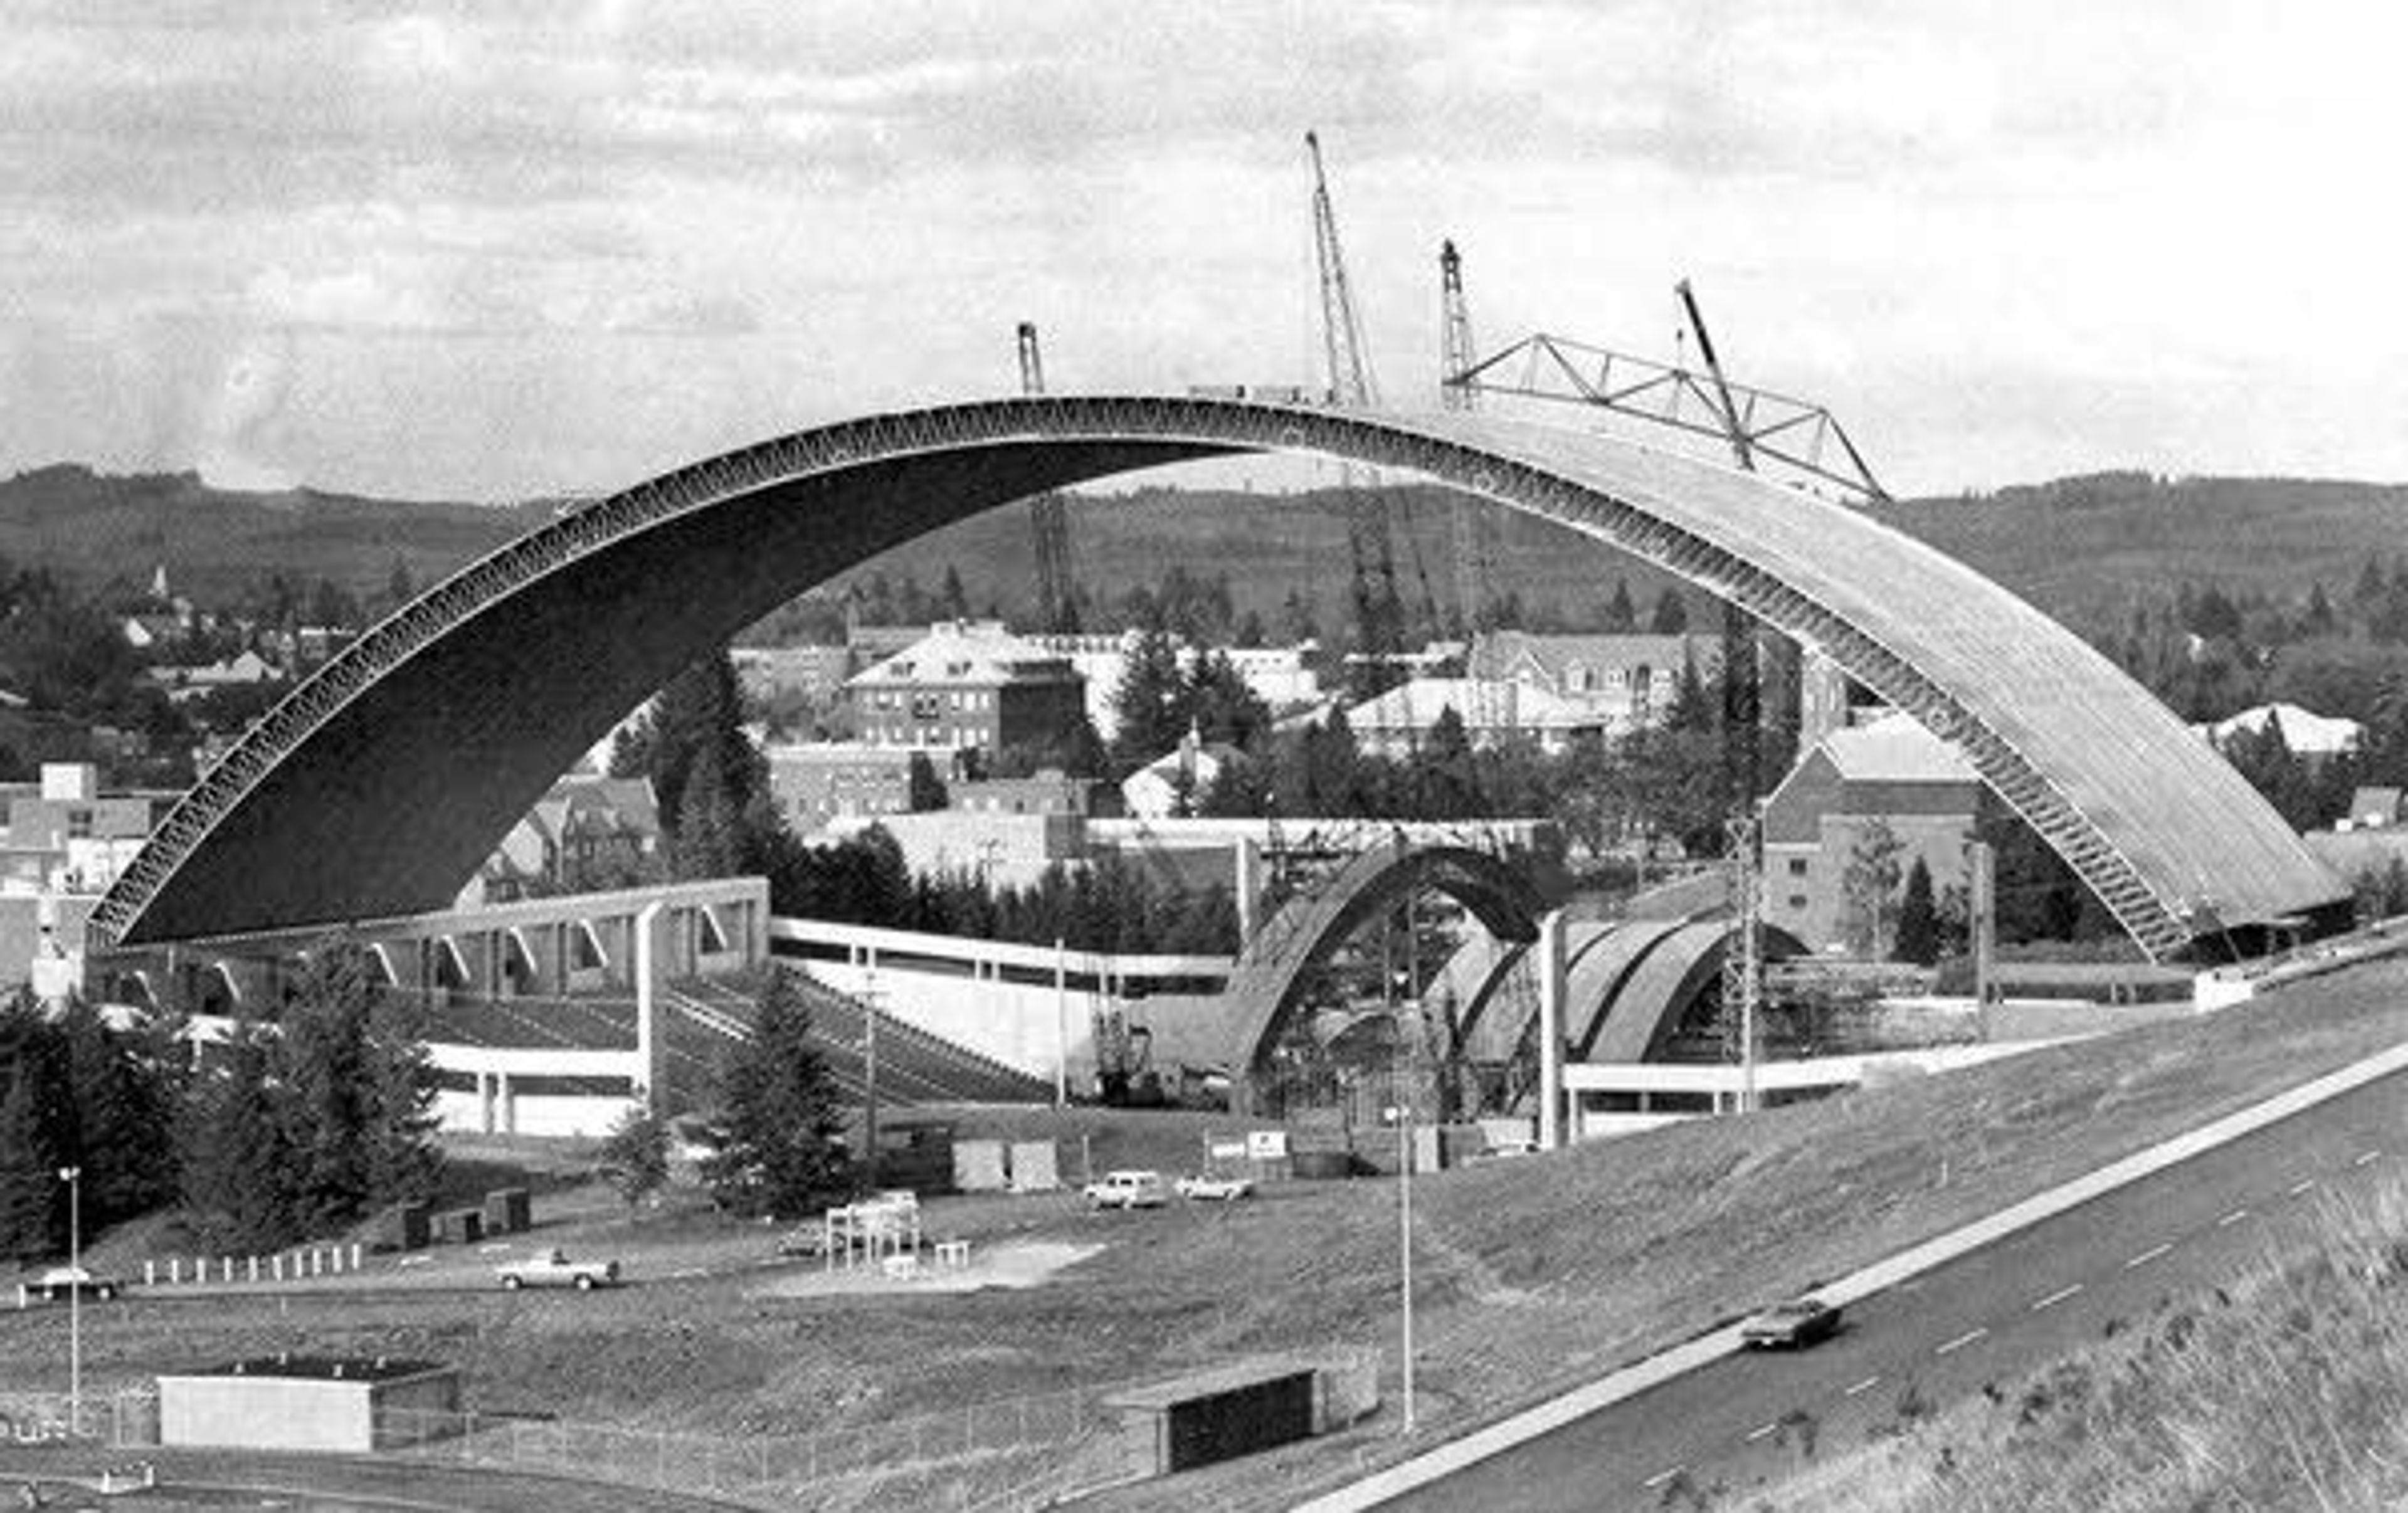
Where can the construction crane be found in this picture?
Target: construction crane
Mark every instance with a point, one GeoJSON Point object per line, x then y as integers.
{"type": "Point", "coordinates": [1379, 610]}
{"type": "Point", "coordinates": [1742, 694]}
{"type": "Point", "coordinates": [1475, 519]}
{"type": "Point", "coordinates": [1057, 605]}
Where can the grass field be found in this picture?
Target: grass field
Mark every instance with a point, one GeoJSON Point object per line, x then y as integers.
{"type": "Point", "coordinates": [1531, 1274]}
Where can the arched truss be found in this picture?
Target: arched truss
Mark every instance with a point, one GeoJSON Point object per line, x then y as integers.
{"type": "Point", "coordinates": [378, 785]}
{"type": "Point", "coordinates": [1263, 989]}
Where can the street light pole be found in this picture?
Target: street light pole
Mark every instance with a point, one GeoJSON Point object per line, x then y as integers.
{"type": "Point", "coordinates": [73, 1178]}
{"type": "Point", "coordinates": [1402, 1115]}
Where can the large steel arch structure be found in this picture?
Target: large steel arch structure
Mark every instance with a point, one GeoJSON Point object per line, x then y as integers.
{"type": "Point", "coordinates": [378, 785]}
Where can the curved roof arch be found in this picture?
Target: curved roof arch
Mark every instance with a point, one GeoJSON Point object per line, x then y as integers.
{"type": "Point", "coordinates": [377, 786]}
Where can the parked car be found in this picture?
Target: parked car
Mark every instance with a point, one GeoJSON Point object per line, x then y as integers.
{"type": "Point", "coordinates": [1128, 1189]}
{"type": "Point", "coordinates": [1207, 1187]}
{"type": "Point", "coordinates": [553, 1268]}
{"type": "Point", "coordinates": [1791, 1325]}
{"type": "Point", "coordinates": [60, 1283]}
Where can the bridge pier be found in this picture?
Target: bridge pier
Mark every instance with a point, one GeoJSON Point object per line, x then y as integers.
{"type": "Point", "coordinates": [1549, 964]}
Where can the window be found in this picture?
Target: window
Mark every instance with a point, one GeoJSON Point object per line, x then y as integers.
{"type": "Point", "coordinates": [1798, 901]}
{"type": "Point", "coordinates": [79, 823]}
{"type": "Point", "coordinates": [1798, 867]}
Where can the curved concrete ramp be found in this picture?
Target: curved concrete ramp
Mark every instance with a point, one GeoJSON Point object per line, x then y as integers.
{"type": "Point", "coordinates": [1599, 979]}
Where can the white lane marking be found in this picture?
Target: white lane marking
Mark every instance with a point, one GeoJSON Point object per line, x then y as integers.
{"type": "Point", "coordinates": [1762, 1431]}
{"type": "Point", "coordinates": [1662, 1477]}
{"type": "Point", "coordinates": [2146, 1256]}
{"type": "Point", "coordinates": [2057, 1297]}
{"type": "Point", "coordinates": [2365, 1156]}
{"type": "Point", "coordinates": [1862, 1387]}
{"type": "Point", "coordinates": [2297, 1188]}
{"type": "Point", "coordinates": [1960, 1342]}
{"type": "Point", "coordinates": [2232, 1219]}
{"type": "Point", "coordinates": [691, 1271]}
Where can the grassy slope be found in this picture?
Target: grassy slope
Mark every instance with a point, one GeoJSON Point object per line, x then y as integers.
{"type": "Point", "coordinates": [2288, 1388]}
{"type": "Point", "coordinates": [1532, 1274]}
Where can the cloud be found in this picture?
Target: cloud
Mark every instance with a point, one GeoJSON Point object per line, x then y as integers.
{"type": "Point", "coordinates": [250, 395]}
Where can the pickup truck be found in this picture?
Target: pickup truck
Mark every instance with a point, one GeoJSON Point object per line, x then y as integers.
{"type": "Point", "coordinates": [1128, 1189]}
{"type": "Point", "coordinates": [552, 1269]}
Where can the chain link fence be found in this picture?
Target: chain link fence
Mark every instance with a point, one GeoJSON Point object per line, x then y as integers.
{"type": "Point", "coordinates": [124, 1420]}
{"type": "Point", "coordinates": [923, 1461]}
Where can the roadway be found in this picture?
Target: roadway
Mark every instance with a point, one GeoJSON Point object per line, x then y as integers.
{"type": "Point", "coordinates": [1984, 1320]}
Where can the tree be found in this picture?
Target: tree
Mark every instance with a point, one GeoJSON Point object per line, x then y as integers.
{"type": "Point", "coordinates": [780, 1147]}
{"type": "Point", "coordinates": [1150, 702]}
{"type": "Point", "coordinates": [1918, 919]}
{"type": "Point", "coordinates": [1869, 889]}
{"type": "Point", "coordinates": [357, 1091]}
{"type": "Point", "coordinates": [1670, 616]}
{"type": "Point", "coordinates": [236, 1157]}
{"type": "Point", "coordinates": [636, 1155]}
{"type": "Point", "coordinates": [927, 790]}
{"type": "Point", "coordinates": [1447, 783]}
{"type": "Point", "coordinates": [1620, 613]}
{"type": "Point", "coordinates": [29, 1178]}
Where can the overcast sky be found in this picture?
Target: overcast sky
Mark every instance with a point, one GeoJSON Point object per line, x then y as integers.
{"type": "Point", "coordinates": [486, 250]}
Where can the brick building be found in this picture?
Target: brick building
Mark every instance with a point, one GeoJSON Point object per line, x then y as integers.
{"type": "Point", "coordinates": [969, 685]}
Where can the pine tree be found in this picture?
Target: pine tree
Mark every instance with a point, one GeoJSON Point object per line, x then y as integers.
{"type": "Point", "coordinates": [1670, 616]}
{"type": "Point", "coordinates": [236, 1159]}
{"type": "Point", "coordinates": [780, 1150]}
{"type": "Point", "coordinates": [120, 1117]}
{"type": "Point", "coordinates": [1918, 919]}
{"type": "Point", "coordinates": [636, 1155]}
{"type": "Point", "coordinates": [1868, 887]}
{"type": "Point", "coordinates": [29, 1178]}
{"type": "Point", "coordinates": [321, 1061]}
{"type": "Point", "coordinates": [1620, 613]}
{"type": "Point", "coordinates": [1151, 702]}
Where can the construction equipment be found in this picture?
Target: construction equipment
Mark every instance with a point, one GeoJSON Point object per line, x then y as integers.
{"type": "Point", "coordinates": [1743, 654]}
{"type": "Point", "coordinates": [1057, 607]}
{"type": "Point", "coordinates": [1379, 611]}
{"type": "Point", "coordinates": [1742, 978]}
{"type": "Point", "coordinates": [1475, 519]}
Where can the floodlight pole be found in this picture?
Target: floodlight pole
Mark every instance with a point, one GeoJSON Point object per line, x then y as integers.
{"type": "Point", "coordinates": [73, 1178]}
{"type": "Point", "coordinates": [869, 1070]}
{"type": "Point", "coordinates": [1402, 1116]}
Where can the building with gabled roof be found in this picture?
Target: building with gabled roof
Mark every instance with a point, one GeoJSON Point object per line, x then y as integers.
{"type": "Point", "coordinates": [1629, 679]}
{"type": "Point", "coordinates": [969, 685]}
{"type": "Point", "coordinates": [587, 831]}
{"type": "Point", "coordinates": [1398, 723]}
{"type": "Point", "coordinates": [1890, 771]}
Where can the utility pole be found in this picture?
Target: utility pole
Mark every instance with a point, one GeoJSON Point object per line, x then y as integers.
{"type": "Point", "coordinates": [869, 1068]}
{"type": "Point", "coordinates": [73, 1178]}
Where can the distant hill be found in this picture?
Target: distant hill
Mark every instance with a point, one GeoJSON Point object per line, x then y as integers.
{"type": "Point", "coordinates": [2071, 545]}
{"type": "Point", "coordinates": [92, 527]}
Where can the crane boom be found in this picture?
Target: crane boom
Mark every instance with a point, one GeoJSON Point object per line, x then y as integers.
{"type": "Point", "coordinates": [1049, 521]}
{"type": "Point", "coordinates": [1742, 653]}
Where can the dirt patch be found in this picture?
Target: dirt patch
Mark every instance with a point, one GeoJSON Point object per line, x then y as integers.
{"type": "Point", "coordinates": [1013, 1265]}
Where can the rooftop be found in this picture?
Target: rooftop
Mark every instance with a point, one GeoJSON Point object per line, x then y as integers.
{"type": "Point", "coordinates": [321, 1367]}
{"type": "Point", "coordinates": [1896, 749]}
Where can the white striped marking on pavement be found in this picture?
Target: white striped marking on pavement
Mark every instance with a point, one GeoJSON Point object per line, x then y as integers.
{"type": "Point", "coordinates": [2057, 1297]}
{"type": "Point", "coordinates": [1862, 1387]}
{"type": "Point", "coordinates": [2235, 1216]}
{"type": "Point", "coordinates": [1961, 1341]}
{"type": "Point", "coordinates": [1760, 1430]}
{"type": "Point", "coordinates": [2297, 1188]}
{"type": "Point", "coordinates": [1662, 1477]}
{"type": "Point", "coordinates": [2146, 1256]}
{"type": "Point", "coordinates": [2365, 1156]}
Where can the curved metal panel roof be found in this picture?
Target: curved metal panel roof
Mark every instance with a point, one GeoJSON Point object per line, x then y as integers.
{"type": "Point", "coordinates": [378, 785]}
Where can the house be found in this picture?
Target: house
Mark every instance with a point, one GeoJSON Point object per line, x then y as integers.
{"type": "Point", "coordinates": [969, 685]}
{"type": "Point", "coordinates": [242, 670]}
{"type": "Point", "coordinates": [1047, 791]}
{"type": "Point", "coordinates": [1891, 772]}
{"type": "Point", "coordinates": [1632, 682]}
{"type": "Point", "coordinates": [2372, 809]}
{"type": "Point", "coordinates": [1398, 723]}
{"type": "Point", "coordinates": [2311, 738]}
{"type": "Point", "coordinates": [587, 833]}
{"type": "Point", "coordinates": [1176, 781]}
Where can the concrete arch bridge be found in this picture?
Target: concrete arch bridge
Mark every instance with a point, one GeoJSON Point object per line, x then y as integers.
{"type": "Point", "coordinates": [377, 786]}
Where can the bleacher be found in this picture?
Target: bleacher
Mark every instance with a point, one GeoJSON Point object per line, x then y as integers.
{"type": "Point", "coordinates": [913, 1065]}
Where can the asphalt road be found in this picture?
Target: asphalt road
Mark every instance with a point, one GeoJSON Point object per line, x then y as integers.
{"type": "Point", "coordinates": [1987, 1318]}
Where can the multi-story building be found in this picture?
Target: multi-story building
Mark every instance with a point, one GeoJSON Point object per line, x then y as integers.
{"type": "Point", "coordinates": [819, 781]}
{"type": "Point", "coordinates": [1283, 677]}
{"type": "Point", "coordinates": [1628, 681]}
{"type": "Point", "coordinates": [969, 685]}
{"type": "Point", "coordinates": [589, 833]}
{"type": "Point", "coordinates": [1891, 772]}
{"type": "Point", "coordinates": [1397, 723]}
{"type": "Point", "coordinates": [64, 845]}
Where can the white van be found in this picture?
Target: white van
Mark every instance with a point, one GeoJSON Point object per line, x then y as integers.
{"type": "Point", "coordinates": [1128, 1189]}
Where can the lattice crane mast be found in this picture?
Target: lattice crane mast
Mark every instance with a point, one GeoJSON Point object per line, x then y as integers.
{"type": "Point", "coordinates": [1742, 691]}
{"type": "Point", "coordinates": [1475, 519]}
{"type": "Point", "coordinates": [1379, 611]}
{"type": "Point", "coordinates": [1057, 605]}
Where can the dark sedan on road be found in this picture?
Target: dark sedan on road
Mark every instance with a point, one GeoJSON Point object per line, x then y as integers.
{"type": "Point", "coordinates": [1791, 1325]}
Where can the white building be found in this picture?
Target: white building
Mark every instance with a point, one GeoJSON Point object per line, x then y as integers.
{"type": "Point", "coordinates": [1398, 723]}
